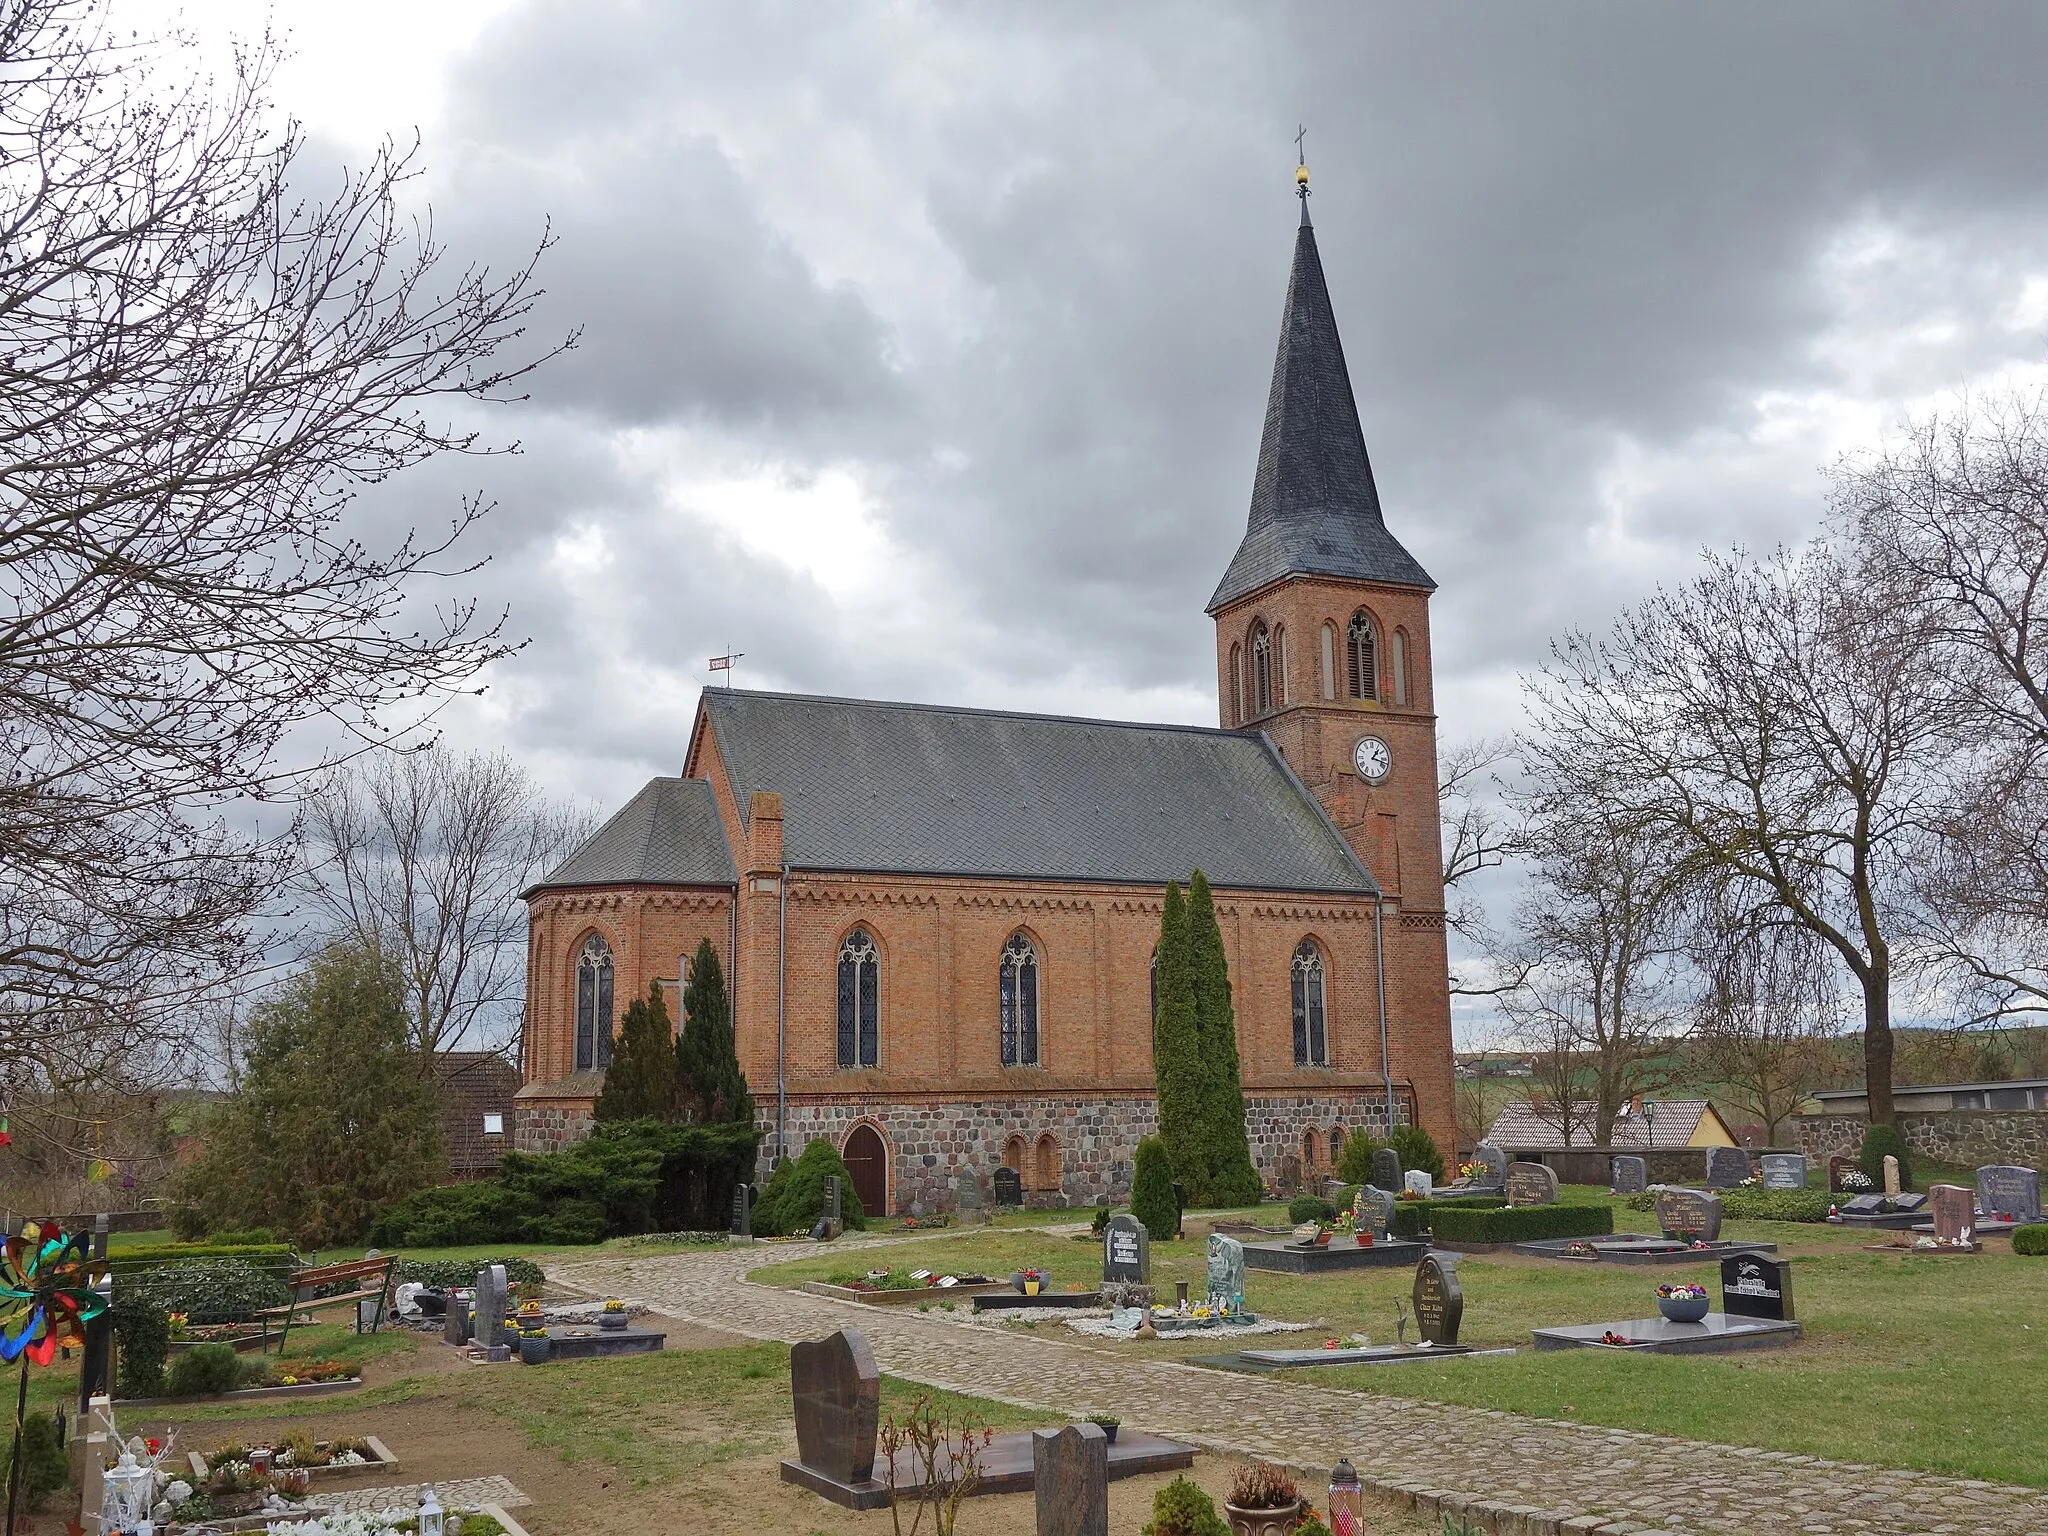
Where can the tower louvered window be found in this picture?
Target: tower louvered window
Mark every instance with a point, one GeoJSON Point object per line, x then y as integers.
{"type": "Point", "coordinates": [594, 1005]}
{"type": "Point", "coordinates": [860, 990]}
{"type": "Point", "coordinates": [1262, 671]}
{"type": "Point", "coordinates": [1364, 650]}
{"type": "Point", "coordinates": [1018, 1003]}
{"type": "Point", "coordinates": [1311, 1034]}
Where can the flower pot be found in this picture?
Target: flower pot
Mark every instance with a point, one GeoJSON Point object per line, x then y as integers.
{"type": "Point", "coordinates": [611, 1319]}
{"type": "Point", "coordinates": [1033, 1287]}
{"type": "Point", "coordinates": [1683, 1309]}
{"type": "Point", "coordinates": [1322, 1239]}
{"type": "Point", "coordinates": [536, 1351]}
{"type": "Point", "coordinates": [1263, 1522]}
{"type": "Point", "coordinates": [1365, 1239]}
{"type": "Point", "coordinates": [1108, 1432]}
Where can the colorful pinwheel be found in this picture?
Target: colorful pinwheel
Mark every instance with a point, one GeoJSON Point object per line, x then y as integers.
{"type": "Point", "coordinates": [46, 1292]}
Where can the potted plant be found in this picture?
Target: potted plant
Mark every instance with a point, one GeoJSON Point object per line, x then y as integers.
{"type": "Point", "coordinates": [1682, 1303]}
{"type": "Point", "coordinates": [1034, 1281]}
{"type": "Point", "coordinates": [1323, 1230]}
{"type": "Point", "coordinates": [614, 1314]}
{"type": "Point", "coordinates": [535, 1347]}
{"type": "Point", "coordinates": [1108, 1423]}
{"type": "Point", "coordinates": [1263, 1501]}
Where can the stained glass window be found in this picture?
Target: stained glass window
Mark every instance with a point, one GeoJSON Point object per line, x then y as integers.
{"type": "Point", "coordinates": [1019, 1003]}
{"type": "Point", "coordinates": [1311, 1036]}
{"type": "Point", "coordinates": [860, 990]}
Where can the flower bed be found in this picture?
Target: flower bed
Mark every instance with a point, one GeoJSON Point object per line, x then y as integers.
{"type": "Point", "coordinates": [489, 1521]}
{"type": "Point", "coordinates": [321, 1460]}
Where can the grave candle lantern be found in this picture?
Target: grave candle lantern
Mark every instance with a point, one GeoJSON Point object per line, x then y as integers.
{"type": "Point", "coordinates": [126, 1496]}
{"type": "Point", "coordinates": [1347, 1500]}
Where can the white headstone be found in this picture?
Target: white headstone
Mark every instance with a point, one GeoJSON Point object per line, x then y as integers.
{"type": "Point", "coordinates": [1419, 1182]}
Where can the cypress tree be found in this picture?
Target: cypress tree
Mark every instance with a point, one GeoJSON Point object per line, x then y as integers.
{"type": "Point", "coordinates": [709, 1083]}
{"type": "Point", "coordinates": [1152, 1199]}
{"type": "Point", "coordinates": [1226, 1148]}
{"type": "Point", "coordinates": [640, 1083]}
{"type": "Point", "coordinates": [1177, 1053]}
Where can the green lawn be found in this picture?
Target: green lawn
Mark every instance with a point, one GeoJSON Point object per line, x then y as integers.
{"type": "Point", "coordinates": [1905, 1362]}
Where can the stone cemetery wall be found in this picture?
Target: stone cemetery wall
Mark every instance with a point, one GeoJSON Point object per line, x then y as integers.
{"type": "Point", "coordinates": [1963, 1137]}
{"type": "Point", "coordinates": [549, 1126]}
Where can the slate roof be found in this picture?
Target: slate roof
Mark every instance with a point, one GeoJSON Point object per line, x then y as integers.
{"type": "Point", "coordinates": [923, 789]}
{"type": "Point", "coordinates": [1522, 1127]}
{"type": "Point", "coordinates": [1315, 510]}
{"type": "Point", "coordinates": [668, 834]}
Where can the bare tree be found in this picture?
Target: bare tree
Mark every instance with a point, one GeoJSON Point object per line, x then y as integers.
{"type": "Point", "coordinates": [1780, 722]}
{"type": "Point", "coordinates": [201, 365]}
{"type": "Point", "coordinates": [1477, 836]}
{"type": "Point", "coordinates": [1768, 1009]}
{"type": "Point", "coordinates": [421, 856]}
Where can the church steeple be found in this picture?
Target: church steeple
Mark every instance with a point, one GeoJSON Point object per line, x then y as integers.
{"type": "Point", "coordinates": [1315, 510]}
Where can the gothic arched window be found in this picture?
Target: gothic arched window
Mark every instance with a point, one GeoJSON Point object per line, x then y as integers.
{"type": "Point", "coordinates": [1363, 647]}
{"type": "Point", "coordinates": [860, 991]}
{"type": "Point", "coordinates": [1262, 671]}
{"type": "Point", "coordinates": [1019, 1002]}
{"type": "Point", "coordinates": [1311, 1035]}
{"type": "Point", "coordinates": [594, 1004]}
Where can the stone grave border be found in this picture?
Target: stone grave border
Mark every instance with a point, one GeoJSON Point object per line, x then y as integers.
{"type": "Point", "coordinates": [907, 1298]}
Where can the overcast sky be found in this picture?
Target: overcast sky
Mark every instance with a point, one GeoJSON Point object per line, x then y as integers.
{"type": "Point", "coordinates": [924, 349]}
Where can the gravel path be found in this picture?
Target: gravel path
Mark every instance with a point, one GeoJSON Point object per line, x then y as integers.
{"type": "Point", "coordinates": [1503, 1472]}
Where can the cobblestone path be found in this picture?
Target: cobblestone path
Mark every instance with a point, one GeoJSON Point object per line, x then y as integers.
{"type": "Point", "coordinates": [1503, 1472]}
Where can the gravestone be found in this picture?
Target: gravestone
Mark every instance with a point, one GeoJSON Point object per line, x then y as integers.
{"type": "Point", "coordinates": [1386, 1168]}
{"type": "Point", "coordinates": [1439, 1299]}
{"type": "Point", "coordinates": [837, 1389]}
{"type": "Point", "coordinates": [1009, 1186]}
{"type": "Point", "coordinates": [490, 1311]}
{"type": "Point", "coordinates": [1631, 1176]}
{"type": "Point", "coordinates": [1837, 1168]}
{"type": "Point", "coordinates": [1727, 1167]}
{"type": "Point", "coordinates": [1690, 1214]}
{"type": "Point", "coordinates": [1955, 1213]}
{"type": "Point", "coordinates": [834, 1211]}
{"type": "Point", "coordinates": [455, 1324]}
{"type": "Point", "coordinates": [1226, 1269]}
{"type": "Point", "coordinates": [1907, 1202]}
{"type": "Point", "coordinates": [1891, 1176]}
{"type": "Point", "coordinates": [1531, 1184]}
{"type": "Point", "coordinates": [1784, 1170]}
{"type": "Point", "coordinates": [2006, 1190]}
{"type": "Point", "coordinates": [1070, 1477]}
{"type": "Point", "coordinates": [1864, 1205]}
{"type": "Point", "coordinates": [1757, 1285]}
{"type": "Point", "coordinates": [968, 1198]}
{"type": "Point", "coordinates": [742, 1210]}
{"type": "Point", "coordinates": [1289, 1179]}
{"type": "Point", "coordinates": [1375, 1208]}
{"type": "Point", "coordinates": [1494, 1172]}
{"type": "Point", "coordinates": [1419, 1183]}
{"type": "Point", "coordinates": [1126, 1251]}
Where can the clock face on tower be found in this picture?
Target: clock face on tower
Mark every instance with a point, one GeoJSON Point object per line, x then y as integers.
{"type": "Point", "coordinates": [1372, 759]}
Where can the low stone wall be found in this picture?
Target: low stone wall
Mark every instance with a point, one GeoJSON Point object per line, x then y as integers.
{"type": "Point", "coordinates": [1672, 1165]}
{"type": "Point", "coordinates": [1966, 1138]}
{"type": "Point", "coordinates": [549, 1125]}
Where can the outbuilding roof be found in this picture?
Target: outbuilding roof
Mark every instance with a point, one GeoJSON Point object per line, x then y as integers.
{"type": "Point", "coordinates": [1673, 1122]}
{"type": "Point", "coordinates": [925, 789]}
{"type": "Point", "coordinates": [668, 834]}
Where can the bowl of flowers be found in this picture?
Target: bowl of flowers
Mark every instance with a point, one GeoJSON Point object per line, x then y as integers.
{"type": "Point", "coordinates": [1682, 1303]}
{"type": "Point", "coordinates": [613, 1315]}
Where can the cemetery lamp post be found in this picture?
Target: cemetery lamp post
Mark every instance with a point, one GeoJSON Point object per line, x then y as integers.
{"type": "Point", "coordinates": [1347, 1500]}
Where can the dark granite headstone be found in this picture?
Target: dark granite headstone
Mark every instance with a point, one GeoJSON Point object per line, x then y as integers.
{"type": "Point", "coordinates": [490, 1311]}
{"type": "Point", "coordinates": [1837, 1168]}
{"type": "Point", "coordinates": [1009, 1186]}
{"type": "Point", "coordinates": [1375, 1208]}
{"type": "Point", "coordinates": [1908, 1201]}
{"type": "Point", "coordinates": [1726, 1167]}
{"type": "Point", "coordinates": [1439, 1299]}
{"type": "Point", "coordinates": [1864, 1205]}
{"type": "Point", "coordinates": [1070, 1478]}
{"type": "Point", "coordinates": [455, 1325]}
{"type": "Point", "coordinates": [1531, 1184]}
{"type": "Point", "coordinates": [1955, 1218]}
{"type": "Point", "coordinates": [2006, 1190]}
{"type": "Point", "coordinates": [837, 1390]}
{"type": "Point", "coordinates": [1495, 1165]}
{"type": "Point", "coordinates": [1631, 1176]}
{"type": "Point", "coordinates": [1126, 1251]}
{"type": "Point", "coordinates": [1386, 1168]}
{"type": "Point", "coordinates": [1690, 1214]}
{"type": "Point", "coordinates": [1288, 1180]}
{"type": "Point", "coordinates": [743, 1210]}
{"type": "Point", "coordinates": [1757, 1285]}
{"type": "Point", "coordinates": [834, 1201]}
{"type": "Point", "coordinates": [1783, 1170]}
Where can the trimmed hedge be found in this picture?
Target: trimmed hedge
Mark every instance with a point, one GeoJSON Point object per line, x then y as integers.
{"type": "Point", "coordinates": [2031, 1240]}
{"type": "Point", "coordinates": [214, 1290]}
{"type": "Point", "coordinates": [125, 1261]}
{"type": "Point", "coordinates": [1412, 1216]}
{"type": "Point", "coordinates": [1775, 1204]}
{"type": "Point", "coordinates": [1307, 1207]}
{"type": "Point", "coordinates": [1521, 1223]}
{"type": "Point", "coordinates": [448, 1273]}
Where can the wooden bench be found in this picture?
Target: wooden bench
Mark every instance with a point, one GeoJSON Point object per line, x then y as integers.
{"type": "Point", "coordinates": [370, 1278]}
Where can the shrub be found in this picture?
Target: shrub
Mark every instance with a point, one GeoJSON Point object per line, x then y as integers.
{"type": "Point", "coordinates": [1411, 1217]}
{"type": "Point", "coordinates": [1354, 1164]}
{"type": "Point", "coordinates": [1880, 1142]}
{"type": "Point", "coordinates": [129, 1261]}
{"type": "Point", "coordinates": [1152, 1199]}
{"type": "Point", "coordinates": [214, 1290]}
{"type": "Point", "coordinates": [142, 1335]}
{"type": "Point", "coordinates": [447, 1273]}
{"type": "Point", "coordinates": [1776, 1204]}
{"type": "Point", "coordinates": [1520, 1224]}
{"type": "Point", "coordinates": [1308, 1207]}
{"type": "Point", "coordinates": [1261, 1485]}
{"type": "Point", "coordinates": [1417, 1150]}
{"type": "Point", "coordinates": [1182, 1509]}
{"type": "Point", "coordinates": [1101, 1222]}
{"type": "Point", "coordinates": [794, 1198]}
{"type": "Point", "coordinates": [44, 1466]}
{"type": "Point", "coordinates": [255, 1237]}
{"type": "Point", "coordinates": [2031, 1241]}
{"type": "Point", "coordinates": [204, 1369]}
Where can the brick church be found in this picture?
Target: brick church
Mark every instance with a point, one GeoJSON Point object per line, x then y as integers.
{"type": "Point", "coordinates": [938, 923]}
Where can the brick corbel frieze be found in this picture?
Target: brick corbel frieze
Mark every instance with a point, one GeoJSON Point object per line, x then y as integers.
{"type": "Point", "coordinates": [1026, 903]}
{"type": "Point", "coordinates": [836, 894]}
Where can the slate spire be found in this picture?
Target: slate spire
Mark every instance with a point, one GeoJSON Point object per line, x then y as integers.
{"type": "Point", "coordinates": [1315, 509]}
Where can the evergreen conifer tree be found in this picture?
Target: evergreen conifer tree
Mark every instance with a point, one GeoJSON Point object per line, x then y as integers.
{"type": "Point", "coordinates": [1177, 1053]}
{"type": "Point", "coordinates": [640, 1083]}
{"type": "Point", "coordinates": [709, 1082]}
{"type": "Point", "coordinates": [1152, 1199]}
{"type": "Point", "coordinates": [1226, 1148]}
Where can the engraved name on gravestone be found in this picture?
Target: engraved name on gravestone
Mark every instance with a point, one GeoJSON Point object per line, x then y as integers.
{"type": "Point", "coordinates": [1126, 1251]}
{"type": "Point", "coordinates": [1375, 1208]}
{"type": "Point", "coordinates": [1955, 1218]}
{"type": "Point", "coordinates": [1631, 1176]}
{"type": "Point", "coordinates": [1439, 1299]}
{"type": "Point", "coordinates": [1494, 1171]}
{"type": "Point", "coordinates": [1784, 1170]}
{"type": "Point", "coordinates": [837, 1390]}
{"type": "Point", "coordinates": [1531, 1184]}
{"type": "Point", "coordinates": [1838, 1170]}
{"type": "Point", "coordinates": [1726, 1167]}
{"type": "Point", "coordinates": [1690, 1214]}
{"type": "Point", "coordinates": [1070, 1477]}
{"type": "Point", "coordinates": [1009, 1186]}
{"type": "Point", "coordinates": [833, 1201]}
{"type": "Point", "coordinates": [1418, 1182]}
{"type": "Point", "coordinates": [743, 1210]}
{"type": "Point", "coordinates": [1386, 1168]}
{"type": "Point", "coordinates": [1226, 1268]}
{"type": "Point", "coordinates": [2005, 1190]}
{"type": "Point", "coordinates": [1757, 1285]}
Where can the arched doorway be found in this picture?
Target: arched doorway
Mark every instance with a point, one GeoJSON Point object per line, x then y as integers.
{"type": "Point", "coordinates": [867, 1159]}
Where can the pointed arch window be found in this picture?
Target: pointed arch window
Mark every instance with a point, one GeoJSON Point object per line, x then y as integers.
{"type": "Point", "coordinates": [1361, 645]}
{"type": "Point", "coordinates": [1400, 660]}
{"type": "Point", "coordinates": [860, 993]}
{"type": "Point", "coordinates": [1018, 1002]}
{"type": "Point", "coordinates": [1262, 671]}
{"type": "Point", "coordinates": [594, 1004]}
{"type": "Point", "coordinates": [1311, 1032]}
{"type": "Point", "coordinates": [1329, 678]}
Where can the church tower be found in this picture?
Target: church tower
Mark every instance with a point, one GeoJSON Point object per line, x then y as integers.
{"type": "Point", "coordinates": [1322, 642]}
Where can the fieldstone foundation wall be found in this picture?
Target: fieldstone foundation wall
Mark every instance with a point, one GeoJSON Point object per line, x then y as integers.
{"type": "Point", "coordinates": [549, 1125]}
{"type": "Point", "coordinates": [1969, 1138]}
